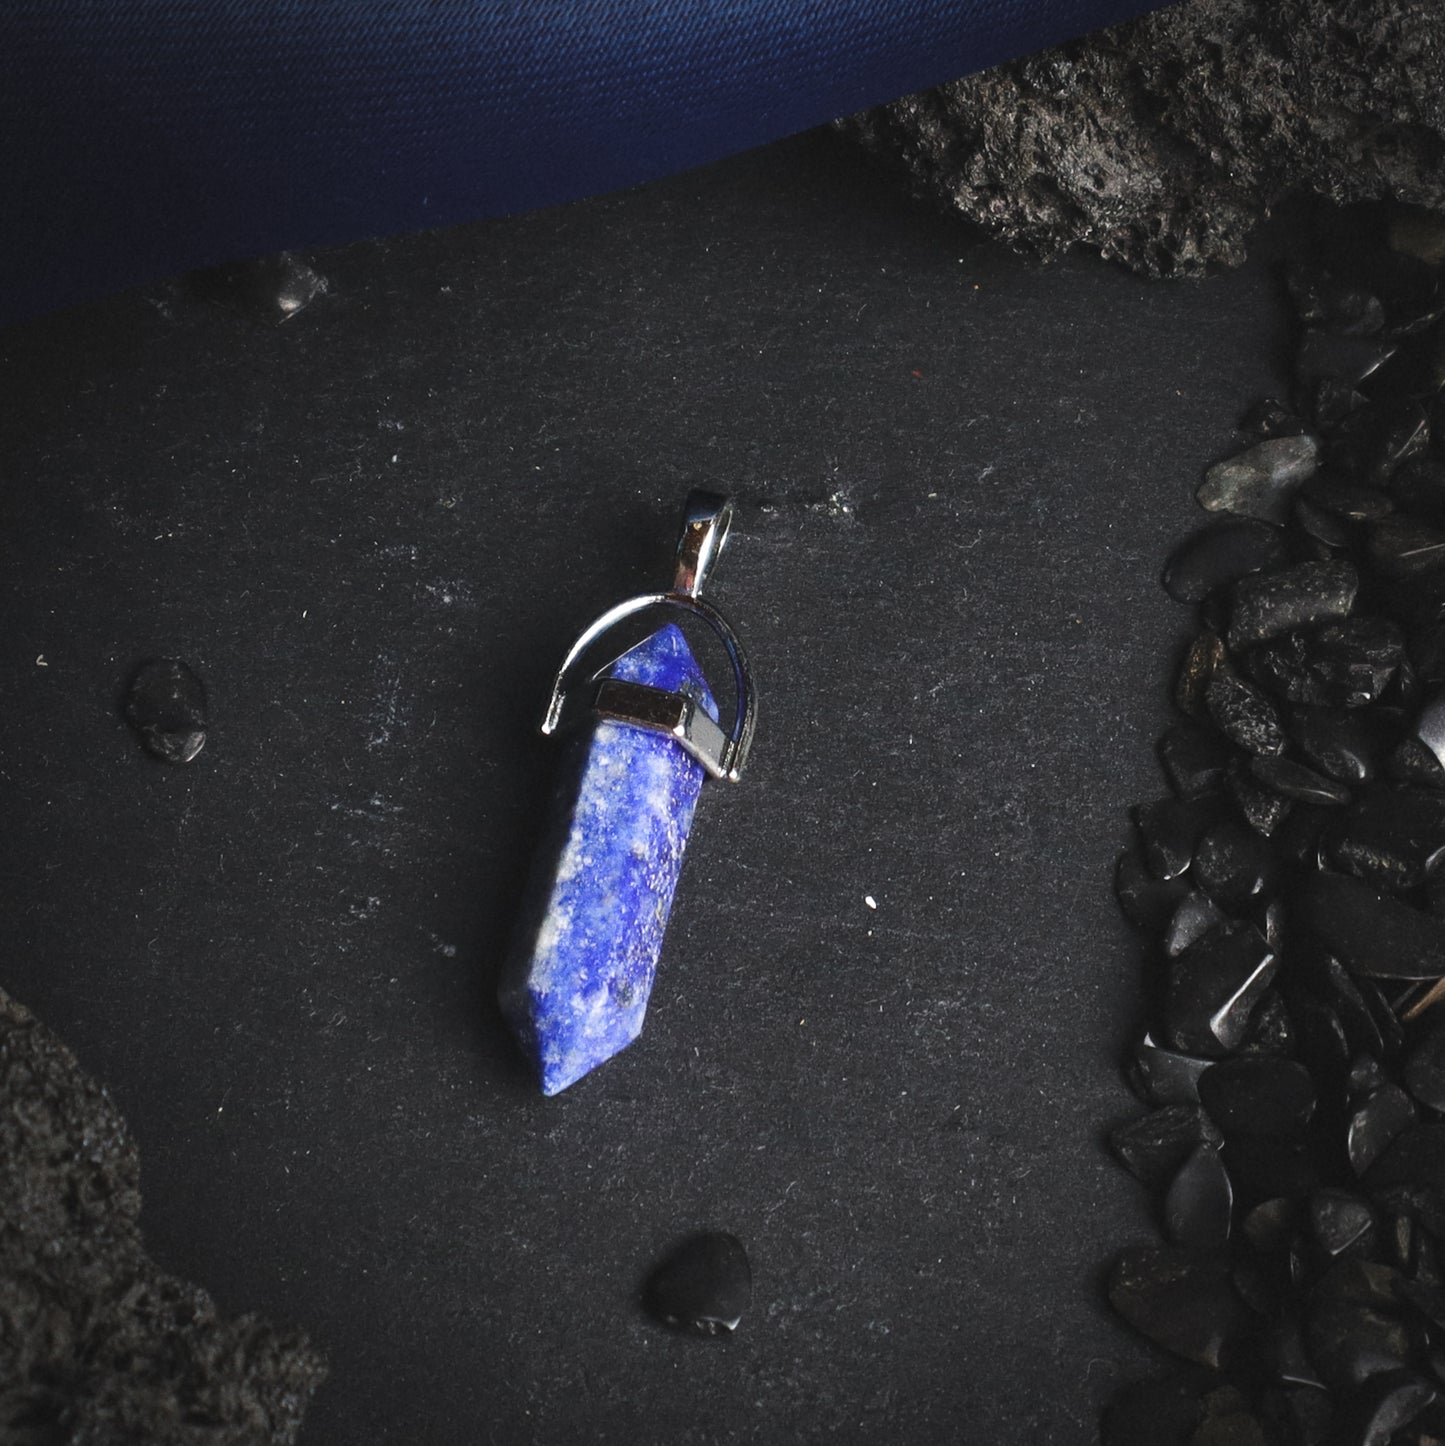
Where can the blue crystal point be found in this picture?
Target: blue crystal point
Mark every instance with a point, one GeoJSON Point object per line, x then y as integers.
{"type": "Point", "coordinates": [577, 980]}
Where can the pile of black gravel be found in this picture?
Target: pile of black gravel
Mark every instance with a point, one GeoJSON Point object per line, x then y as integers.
{"type": "Point", "coordinates": [1162, 142]}
{"type": "Point", "coordinates": [1292, 893]}
{"type": "Point", "coordinates": [97, 1345]}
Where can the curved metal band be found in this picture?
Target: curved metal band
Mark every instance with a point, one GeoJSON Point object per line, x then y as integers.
{"type": "Point", "coordinates": [728, 763]}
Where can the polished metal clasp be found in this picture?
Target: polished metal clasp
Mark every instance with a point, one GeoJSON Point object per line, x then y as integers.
{"type": "Point", "coordinates": [707, 518]}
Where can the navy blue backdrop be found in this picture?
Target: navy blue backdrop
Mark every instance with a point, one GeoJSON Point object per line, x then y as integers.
{"type": "Point", "coordinates": [139, 138]}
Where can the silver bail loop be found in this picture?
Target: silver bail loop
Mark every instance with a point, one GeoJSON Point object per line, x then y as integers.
{"type": "Point", "coordinates": [706, 518]}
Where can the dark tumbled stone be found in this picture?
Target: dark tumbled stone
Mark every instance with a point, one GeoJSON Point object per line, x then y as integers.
{"type": "Point", "coordinates": [1411, 761]}
{"type": "Point", "coordinates": [1340, 742]}
{"type": "Point", "coordinates": [1233, 865]}
{"type": "Point", "coordinates": [1213, 986]}
{"type": "Point", "coordinates": [1354, 1329]}
{"type": "Point", "coordinates": [1425, 1068]}
{"type": "Point", "coordinates": [1182, 1300]}
{"type": "Point", "coordinates": [1375, 1123]}
{"type": "Point", "coordinates": [1322, 299]}
{"type": "Point", "coordinates": [1167, 1076]}
{"type": "Point", "coordinates": [1257, 1095]}
{"type": "Point", "coordinates": [1349, 501]}
{"type": "Point", "coordinates": [1271, 1224]}
{"type": "Point", "coordinates": [1419, 489]}
{"type": "Point", "coordinates": [1339, 1219]}
{"type": "Point", "coordinates": [1405, 434]}
{"type": "Point", "coordinates": [1259, 482]}
{"type": "Point", "coordinates": [1196, 915]}
{"type": "Point", "coordinates": [1302, 839]}
{"type": "Point", "coordinates": [1270, 1031]}
{"type": "Point", "coordinates": [1147, 902]}
{"type": "Point", "coordinates": [1339, 665]}
{"type": "Point", "coordinates": [704, 1287]}
{"type": "Point", "coordinates": [1272, 603]}
{"type": "Point", "coordinates": [1385, 1405]}
{"type": "Point", "coordinates": [1393, 837]}
{"type": "Point", "coordinates": [1153, 1147]}
{"type": "Point", "coordinates": [1402, 547]}
{"type": "Point", "coordinates": [1330, 535]}
{"type": "Point", "coordinates": [1373, 934]}
{"type": "Point", "coordinates": [1222, 553]}
{"type": "Point", "coordinates": [1338, 357]}
{"type": "Point", "coordinates": [1198, 1208]}
{"type": "Point", "coordinates": [1169, 829]}
{"type": "Point", "coordinates": [1416, 1157]}
{"type": "Point", "coordinates": [1203, 657]}
{"type": "Point", "coordinates": [1271, 418]}
{"type": "Point", "coordinates": [1161, 1412]}
{"type": "Point", "coordinates": [1243, 714]}
{"type": "Point", "coordinates": [1261, 808]}
{"type": "Point", "coordinates": [166, 705]}
{"type": "Point", "coordinates": [1294, 781]}
{"type": "Point", "coordinates": [1194, 759]}
{"type": "Point", "coordinates": [1269, 1167]}
{"type": "Point", "coordinates": [1361, 1031]}
{"type": "Point", "coordinates": [1430, 727]}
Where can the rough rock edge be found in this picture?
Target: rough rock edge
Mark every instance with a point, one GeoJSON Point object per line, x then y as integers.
{"type": "Point", "coordinates": [1161, 142]}
{"type": "Point", "coordinates": [97, 1346]}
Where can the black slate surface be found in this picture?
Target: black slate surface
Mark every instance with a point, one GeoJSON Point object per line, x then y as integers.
{"type": "Point", "coordinates": [372, 530]}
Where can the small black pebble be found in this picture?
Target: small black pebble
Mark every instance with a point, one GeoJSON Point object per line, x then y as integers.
{"type": "Point", "coordinates": [166, 705]}
{"type": "Point", "coordinates": [704, 1287]}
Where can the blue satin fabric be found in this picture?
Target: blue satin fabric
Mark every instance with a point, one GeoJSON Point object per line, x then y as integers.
{"type": "Point", "coordinates": [139, 138]}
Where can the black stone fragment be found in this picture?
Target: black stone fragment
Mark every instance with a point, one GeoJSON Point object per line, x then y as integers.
{"type": "Point", "coordinates": [1148, 902]}
{"type": "Point", "coordinates": [1233, 865]}
{"type": "Point", "coordinates": [1337, 357]}
{"type": "Point", "coordinates": [1182, 1300]}
{"type": "Point", "coordinates": [1294, 781]}
{"type": "Point", "coordinates": [1419, 489]}
{"type": "Point", "coordinates": [1321, 1042]}
{"type": "Point", "coordinates": [704, 1287]}
{"type": "Point", "coordinates": [1405, 434]}
{"type": "Point", "coordinates": [1344, 664]}
{"type": "Point", "coordinates": [1361, 1032]}
{"type": "Point", "coordinates": [1401, 547]}
{"type": "Point", "coordinates": [1153, 1147]}
{"type": "Point", "coordinates": [1332, 402]}
{"type": "Point", "coordinates": [166, 705]}
{"type": "Point", "coordinates": [1169, 830]}
{"type": "Point", "coordinates": [1272, 603]}
{"type": "Point", "coordinates": [1393, 837]}
{"type": "Point", "coordinates": [1194, 759]}
{"type": "Point", "coordinates": [1339, 1219]}
{"type": "Point", "coordinates": [1354, 1329]}
{"type": "Point", "coordinates": [1270, 1031]}
{"type": "Point", "coordinates": [1271, 418]}
{"type": "Point", "coordinates": [1411, 761]}
{"type": "Point", "coordinates": [1425, 1068]}
{"type": "Point", "coordinates": [1196, 915]}
{"type": "Point", "coordinates": [1243, 714]}
{"type": "Point", "coordinates": [1271, 1224]}
{"type": "Point", "coordinates": [1203, 657]}
{"type": "Point", "coordinates": [1261, 808]}
{"type": "Point", "coordinates": [1374, 1124]}
{"type": "Point", "coordinates": [1260, 481]}
{"type": "Point", "coordinates": [1213, 986]}
{"type": "Point", "coordinates": [1331, 535]}
{"type": "Point", "coordinates": [1222, 553]}
{"type": "Point", "coordinates": [1321, 298]}
{"type": "Point", "coordinates": [1167, 1076]}
{"type": "Point", "coordinates": [1302, 839]}
{"type": "Point", "coordinates": [1340, 742]}
{"type": "Point", "coordinates": [1269, 1167]}
{"type": "Point", "coordinates": [1416, 1157]}
{"type": "Point", "coordinates": [1348, 501]}
{"type": "Point", "coordinates": [1385, 1405]}
{"type": "Point", "coordinates": [1163, 1412]}
{"type": "Point", "coordinates": [1198, 1209]}
{"type": "Point", "coordinates": [1257, 1095]}
{"type": "Point", "coordinates": [1373, 934]}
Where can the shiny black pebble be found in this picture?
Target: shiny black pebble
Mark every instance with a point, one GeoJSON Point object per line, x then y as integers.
{"type": "Point", "coordinates": [1340, 742]}
{"type": "Point", "coordinates": [166, 705]}
{"type": "Point", "coordinates": [1339, 1219]}
{"type": "Point", "coordinates": [1375, 1123]}
{"type": "Point", "coordinates": [272, 289]}
{"type": "Point", "coordinates": [1182, 1300]}
{"type": "Point", "coordinates": [1348, 500]}
{"type": "Point", "coordinates": [1294, 781]}
{"type": "Point", "coordinates": [1213, 986]}
{"type": "Point", "coordinates": [1260, 481]}
{"type": "Point", "coordinates": [1372, 933]}
{"type": "Point", "coordinates": [1393, 837]}
{"type": "Point", "coordinates": [1402, 547]}
{"type": "Point", "coordinates": [1266, 605]}
{"type": "Point", "coordinates": [1333, 356]}
{"type": "Point", "coordinates": [1344, 664]}
{"type": "Point", "coordinates": [1196, 915]}
{"type": "Point", "coordinates": [1148, 902]}
{"type": "Point", "coordinates": [704, 1288]}
{"type": "Point", "coordinates": [1271, 418]}
{"type": "Point", "coordinates": [1425, 1068]}
{"type": "Point", "coordinates": [1164, 1076]}
{"type": "Point", "coordinates": [1262, 808]}
{"type": "Point", "coordinates": [1257, 1095]}
{"type": "Point", "coordinates": [1243, 714]}
{"type": "Point", "coordinates": [1233, 865]}
{"type": "Point", "coordinates": [1153, 1147]}
{"type": "Point", "coordinates": [1194, 759]}
{"type": "Point", "coordinates": [1222, 553]}
{"type": "Point", "coordinates": [1169, 829]}
{"type": "Point", "coordinates": [1199, 1206]}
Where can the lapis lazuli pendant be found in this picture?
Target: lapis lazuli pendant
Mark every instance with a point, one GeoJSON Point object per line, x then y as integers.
{"type": "Point", "coordinates": [576, 984]}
